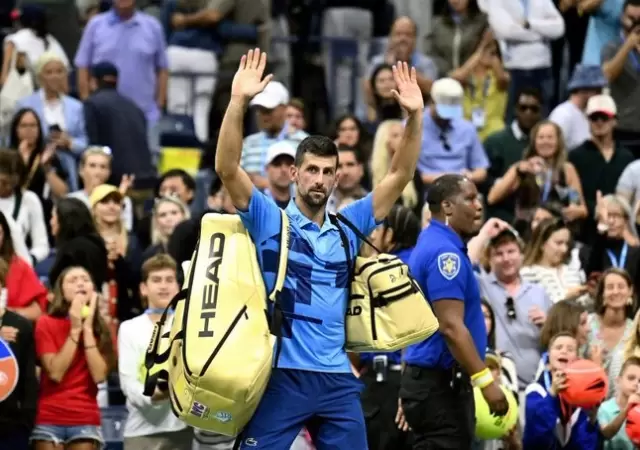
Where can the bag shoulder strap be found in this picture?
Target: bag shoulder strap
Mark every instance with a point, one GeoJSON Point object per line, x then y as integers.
{"type": "Point", "coordinates": [353, 228]}
{"type": "Point", "coordinates": [285, 238]}
{"type": "Point", "coordinates": [16, 205]}
{"type": "Point", "coordinates": [343, 237]}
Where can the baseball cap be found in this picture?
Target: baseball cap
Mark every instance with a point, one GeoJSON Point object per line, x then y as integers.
{"type": "Point", "coordinates": [103, 191]}
{"type": "Point", "coordinates": [447, 95]}
{"type": "Point", "coordinates": [104, 69]}
{"type": "Point", "coordinates": [602, 104]}
{"type": "Point", "coordinates": [274, 94]}
{"type": "Point", "coordinates": [280, 148]}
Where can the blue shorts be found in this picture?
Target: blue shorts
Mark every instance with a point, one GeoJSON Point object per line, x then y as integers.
{"type": "Point", "coordinates": [66, 434]}
{"type": "Point", "coordinates": [328, 404]}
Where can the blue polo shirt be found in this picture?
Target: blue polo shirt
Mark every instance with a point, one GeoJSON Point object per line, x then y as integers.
{"type": "Point", "coordinates": [440, 264]}
{"type": "Point", "coordinates": [314, 297]}
{"type": "Point", "coordinates": [393, 357]}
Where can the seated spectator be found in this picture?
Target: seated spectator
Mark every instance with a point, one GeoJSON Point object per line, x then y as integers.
{"type": "Point", "coordinates": [124, 257]}
{"type": "Point", "coordinates": [526, 30]}
{"type": "Point", "coordinates": [349, 131]}
{"type": "Point", "coordinates": [599, 161]}
{"type": "Point", "coordinates": [545, 262]}
{"type": "Point", "coordinates": [349, 182]}
{"type": "Point", "coordinates": [150, 422]}
{"type": "Point", "coordinates": [486, 83]}
{"type": "Point", "coordinates": [23, 207]}
{"type": "Point", "coordinates": [270, 107]}
{"type": "Point", "coordinates": [116, 122]}
{"type": "Point", "coordinates": [382, 104]}
{"type": "Point", "coordinates": [18, 405]}
{"type": "Point", "coordinates": [280, 159]}
{"type": "Point", "coordinates": [610, 325]}
{"type": "Point", "coordinates": [167, 213]}
{"type": "Point", "coordinates": [76, 353]}
{"type": "Point", "coordinates": [25, 294]}
{"type": "Point", "coordinates": [542, 175]}
{"type": "Point", "coordinates": [570, 115]}
{"type": "Point", "coordinates": [505, 148]}
{"type": "Point", "coordinates": [94, 170]}
{"type": "Point", "coordinates": [450, 143]}
{"type": "Point", "coordinates": [619, 59]}
{"type": "Point", "coordinates": [174, 182]}
{"type": "Point", "coordinates": [455, 35]}
{"type": "Point", "coordinates": [33, 38]}
{"type": "Point", "coordinates": [385, 144]}
{"type": "Point", "coordinates": [295, 114]}
{"type": "Point", "coordinates": [78, 243]}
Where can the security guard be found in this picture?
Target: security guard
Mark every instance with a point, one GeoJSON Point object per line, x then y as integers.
{"type": "Point", "coordinates": [436, 396]}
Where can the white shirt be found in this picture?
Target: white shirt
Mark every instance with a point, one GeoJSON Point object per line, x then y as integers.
{"type": "Point", "coordinates": [127, 207]}
{"type": "Point", "coordinates": [25, 40]}
{"type": "Point", "coordinates": [525, 48]}
{"type": "Point", "coordinates": [555, 281]}
{"type": "Point", "coordinates": [145, 418]}
{"type": "Point", "coordinates": [30, 221]}
{"type": "Point", "coordinates": [573, 122]}
{"type": "Point", "coordinates": [53, 111]}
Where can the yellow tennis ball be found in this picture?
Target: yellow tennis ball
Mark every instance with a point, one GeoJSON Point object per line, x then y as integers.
{"type": "Point", "coordinates": [84, 312]}
{"type": "Point", "coordinates": [489, 426]}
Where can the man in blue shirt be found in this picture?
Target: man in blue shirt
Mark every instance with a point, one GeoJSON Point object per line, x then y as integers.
{"type": "Point", "coordinates": [436, 393]}
{"type": "Point", "coordinates": [312, 383]}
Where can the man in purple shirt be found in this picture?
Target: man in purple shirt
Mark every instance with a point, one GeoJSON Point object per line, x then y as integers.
{"type": "Point", "coordinates": [134, 42]}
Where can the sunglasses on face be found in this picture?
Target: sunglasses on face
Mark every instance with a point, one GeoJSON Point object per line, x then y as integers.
{"type": "Point", "coordinates": [599, 117]}
{"type": "Point", "coordinates": [511, 308]}
{"type": "Point", "coordinates": [530, 108]}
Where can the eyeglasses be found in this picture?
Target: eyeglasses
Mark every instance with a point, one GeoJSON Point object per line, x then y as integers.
{"type": "Point", "coordinates": [444, 141]}
{"type": "Point", "coordinates": [511, 309]}
{"type": "Point", "coordinates": [599, 117]}
{"type": "Point", "coordinates": [531, 108]}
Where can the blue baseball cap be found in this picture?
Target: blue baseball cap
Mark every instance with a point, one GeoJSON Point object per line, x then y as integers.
{"type": "Point", "coordinates": [447, 96]}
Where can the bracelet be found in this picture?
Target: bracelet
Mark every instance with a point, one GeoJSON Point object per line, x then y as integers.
{"type": "Point", "coordinates": [90, 347]}
{"type": "Point", "coordinates": [73, 340]}
{"type": "Point", "coordinates": [482, 379]}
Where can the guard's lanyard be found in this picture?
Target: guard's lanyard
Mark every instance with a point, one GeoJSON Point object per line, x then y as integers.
{"type": "Point", "coordinates": [546, 187]}
{"type": "Point", "coordinates": [546, 376]}
{"type": "Point", "coordinates": [619, 263]}
{"type": "Point", "coordinates": [485, 88]}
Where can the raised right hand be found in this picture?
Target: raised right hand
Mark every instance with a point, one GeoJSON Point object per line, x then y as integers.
{"type": "Point", "coordinates": [498, 405]}
{"type": "Point", "coordinates": [75, 311]}
{"type": "Point", "coordinates": [248, 81]}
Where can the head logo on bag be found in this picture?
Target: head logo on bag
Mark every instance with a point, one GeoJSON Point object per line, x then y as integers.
{"type": "Point", "coordinates": [9, 370]}
{"type": "Point", "coordinates": [449, 265]}
{"type": "Point", "coordinates": [210, 291]}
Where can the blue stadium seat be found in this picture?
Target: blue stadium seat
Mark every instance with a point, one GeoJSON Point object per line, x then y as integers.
{"type": "Point", "coordinates": [178, 130]}
{"type": "Point", "coordinates": [113, 419]}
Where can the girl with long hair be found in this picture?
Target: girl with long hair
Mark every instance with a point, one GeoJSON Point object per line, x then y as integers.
{"type": "Point", "coordinates": [383, 104]}
{"type": "Point", "coordinates": [75, 351]}
{"type": "Point", "coordinates": [167, 213]}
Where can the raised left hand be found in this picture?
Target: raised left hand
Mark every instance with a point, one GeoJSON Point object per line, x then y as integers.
{"type": "Point", "coordinates": [408, 93]}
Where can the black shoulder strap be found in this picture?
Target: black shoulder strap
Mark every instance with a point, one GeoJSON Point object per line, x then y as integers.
{"type": "Point", "coordinates": [343, 237]}
{"type": "Point", "coordinates": [353, 228]}
{"type": "Point", "coordinates": [16, 205]}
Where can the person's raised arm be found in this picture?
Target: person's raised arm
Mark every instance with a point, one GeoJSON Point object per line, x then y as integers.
{"type": "Point", "coordinates": [403, 163]}
{"type": "Point", "coordinates": [247, 82]}
{"type": "Point", "coordinates": [98, 367]}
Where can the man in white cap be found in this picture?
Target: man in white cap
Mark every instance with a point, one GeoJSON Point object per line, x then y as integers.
{"type": "Point", "coordinates": [450, 143]}
{"type": "Point", "coordinates": [270, 106]}
{"type": "Point", "coordinates": [280, 159]}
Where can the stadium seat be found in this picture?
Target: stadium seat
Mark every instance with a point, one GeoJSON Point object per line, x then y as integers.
{"type": "Point", "coordinates": [177, 130]}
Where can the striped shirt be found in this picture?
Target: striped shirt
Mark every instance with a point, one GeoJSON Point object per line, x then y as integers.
{"type": "Point", "coordinates": [255, 146]}
{"type": "Point", "coordinates": [555, 281]}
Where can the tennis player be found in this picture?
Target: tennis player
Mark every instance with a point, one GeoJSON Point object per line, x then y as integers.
{"type": "Point", "coordinates": [312, 384]}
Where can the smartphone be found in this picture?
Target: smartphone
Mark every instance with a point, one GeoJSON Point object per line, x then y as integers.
{"type": "Point", "coordinates": [55, 128]}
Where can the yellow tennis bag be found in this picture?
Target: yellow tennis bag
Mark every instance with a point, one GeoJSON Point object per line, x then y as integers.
{"type": "Point", "coordinates": [221, 346]}
{"type": "Point", "coordinates": [387, 311]}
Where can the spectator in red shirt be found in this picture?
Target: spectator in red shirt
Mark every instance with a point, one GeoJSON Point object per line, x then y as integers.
{"type": "Point", "coordinates": [75, 352]}
{"type": "Point", "coordinates": [26, 295]}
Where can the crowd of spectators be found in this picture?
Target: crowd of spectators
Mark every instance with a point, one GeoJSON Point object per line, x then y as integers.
{"type": "Point", "coordinates": [536, 102]}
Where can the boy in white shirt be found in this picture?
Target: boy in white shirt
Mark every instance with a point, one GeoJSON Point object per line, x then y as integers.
{"type": "Point", "coordinates": [150, 425]}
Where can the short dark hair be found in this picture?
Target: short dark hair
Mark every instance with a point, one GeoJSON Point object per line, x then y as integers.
{"type": "Point", "coordinates": [187, 179]}
{"type": "Point", "coordinates": [156, 263]}
{"type": "Point", "coordinates": [445, 187]}
{"type": "Point", "coordinates": [529, 92]}
{"type": "Point", "coordinates": [318, 146]}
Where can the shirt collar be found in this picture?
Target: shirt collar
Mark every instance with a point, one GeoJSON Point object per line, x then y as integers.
{"type": "Point", "coordinates": [517, 131]}
{"type": "Point", "coordinates": [114, 18]}
{"type": "Point", "coordinates": [491, 277]}
{"type": "Point", "coordinates": [446, 230]}
{"type": "Point", "coordinates": [44, 100]}
{"type": "Point", "coordinates": [303, 221]}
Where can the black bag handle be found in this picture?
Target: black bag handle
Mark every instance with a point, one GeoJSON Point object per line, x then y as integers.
{"type": "Point", "coordinates": [353, 228]}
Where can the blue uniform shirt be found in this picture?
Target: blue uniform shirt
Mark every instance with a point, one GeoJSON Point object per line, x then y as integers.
{"type": "Point", "coordinates": [314, 297]}
{"type": "Point", "coordinates": [393, 357]}
{"type": "Point", "coordinates": [440, 264]}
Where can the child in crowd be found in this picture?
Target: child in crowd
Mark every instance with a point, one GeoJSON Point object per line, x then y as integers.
{"type": "Point", "coordinates": [551, 424]}
{"type": "Point", "coordinates": [150, 423]}
{"type": "Point", "coordinates": [612, 414]}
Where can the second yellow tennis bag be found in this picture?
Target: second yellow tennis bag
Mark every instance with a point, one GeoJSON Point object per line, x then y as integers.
{"type": "Point", "coordinates": [221, 348]}
{"type": "Point", "coordinates": [387, 311]}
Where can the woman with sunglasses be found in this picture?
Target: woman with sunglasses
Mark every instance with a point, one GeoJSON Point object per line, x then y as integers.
{"type": "Point", "coordinates": [546, 261]}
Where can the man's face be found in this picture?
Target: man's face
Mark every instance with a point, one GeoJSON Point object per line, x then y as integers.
{"type": "Point", "coordinates": [349, 171]}
{"type": "Point", "coordinates": [124, 4]}
{"type": "Point", "coordinates": [601, 125]}
{"type": "Point", "coordinates": [295, 118]}
{"type": "Point", "coordinates": [505, 260]}
{"type": "Point", "coordinates": [270, 120]}
{"type": "Point", "coordinates": [465, 210]}
{"type": "Point", "coordinates": [175, 186]}
{"type": "Point", "coordinates": [631, 19]}
{"type": "Point", "coordinates": [528, 111]}
{"type": "Point", "coordinates": [315, 179]}
{"type": "Point", "coordinates": [403, 38]}
{"type": "Point", "coordinates": [279, 171]}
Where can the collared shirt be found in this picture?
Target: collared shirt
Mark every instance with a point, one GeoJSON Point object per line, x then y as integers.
{"type": "Point", "coordinates": [314, 297]}
{"type": "Point", "coordinates": [441, 266]}
{"type": "Point", "coordinates": [423, 64]}
{"type": "Point", "coordinates": [517, 336]}
{"type": "Point", "coordinates": [517, 131]}
{"type": "Point", "coordinates": [573, 122]}
{"type": "Point", "coordinates": [255, 146]}
{"type": "Point", "coordinates": [53, 111]}
{"type": "Point", "coordinates": [450, 150]}
{"type": "Point", "coordinates": [138, 49]}
{"type": "Point", "coordinates": [608, 411]}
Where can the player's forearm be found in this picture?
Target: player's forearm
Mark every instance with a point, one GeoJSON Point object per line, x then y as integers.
{"type": "Point", "coordinates": [229, 149]}
{"type": "Point", "coordinates": [462, 347]}
{"type": "Point", "coordinates": [405, 160]}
